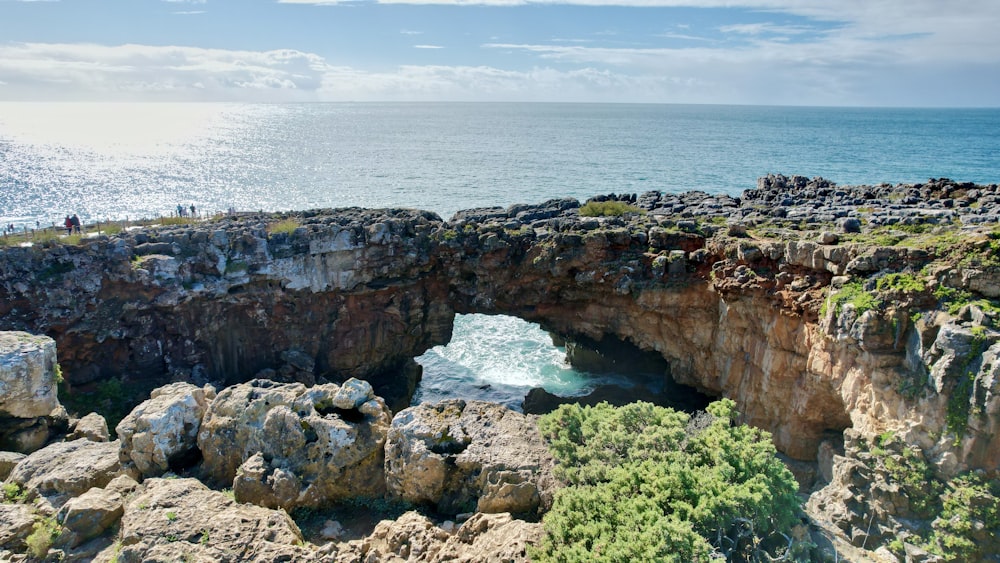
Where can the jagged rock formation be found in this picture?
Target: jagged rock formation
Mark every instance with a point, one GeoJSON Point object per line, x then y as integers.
{"type": "Point", "coordinates": [758, 298]}
{"type": "Point", "coordinates": [160, 434]}
{"type": "Point", "coordinates": [286, 445]}
{"type": "Point", "coordinates": [279, 446]}
{"type": "Point", "coordinates": [362, 292]}
{"type": "Point", "coordinates": [469, 457]}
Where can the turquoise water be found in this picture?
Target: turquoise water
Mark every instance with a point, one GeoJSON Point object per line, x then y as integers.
{"type": "Point", "coordinates": [140, 160]}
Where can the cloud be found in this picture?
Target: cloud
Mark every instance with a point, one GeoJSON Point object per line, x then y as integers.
{"type": "Point", "coordinates": [485, 83]}
{"type": "Point", "coordinates": [428, 47]}
{"type": "Point", "coordinates": [124, 72]}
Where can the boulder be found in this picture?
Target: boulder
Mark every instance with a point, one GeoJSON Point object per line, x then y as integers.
{"type": "Point", "coordinates": [315, 445]}
{"type": "Point", "coordinates": [169, 517]}
{"type": "Point", "coordinates": [469, 456]}
{"type": "Point", "coordinates": [88, 516]}
{"type": "Point", "coordinates": [92, 427]}
{"type": "Point", "coordinates": [27, 375]}
{"type": "Point", "coordinates": [28, 387]}
{"type": "Point", "coordinates": [161, 434]}
{"type": "Point", "coordinates": [67, 468]}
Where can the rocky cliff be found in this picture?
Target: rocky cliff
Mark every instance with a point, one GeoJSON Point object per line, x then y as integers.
{"type": "Point", "coordinates": [817, 307]}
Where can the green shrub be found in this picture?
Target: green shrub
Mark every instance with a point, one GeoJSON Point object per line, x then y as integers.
{"type": "Point", "coordinates": [42, 535]}
{"type": "Point", "coordinates": [969, 502]}
{"type": "Point", "coordinates": [12, 493]}
{"type": "Point", "coordinates": [641, 487]}
{"type": "Point", "coordinates": [608, 209]}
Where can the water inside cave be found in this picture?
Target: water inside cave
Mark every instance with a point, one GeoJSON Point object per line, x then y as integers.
{"type": "Point", "coordinates": [500, 358]}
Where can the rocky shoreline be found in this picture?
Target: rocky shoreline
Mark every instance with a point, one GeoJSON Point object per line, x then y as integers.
{"type": "Point", "coordinates": [855, 323]}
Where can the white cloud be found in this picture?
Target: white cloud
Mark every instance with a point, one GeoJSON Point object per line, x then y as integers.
{"type": "Point", "coordinates": [89, 71]}
{"type": "Point", "coordinates": [428, 47]}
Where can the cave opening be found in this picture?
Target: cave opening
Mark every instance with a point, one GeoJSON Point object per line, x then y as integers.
{"type": "Point", "coordinates": [507, 360]}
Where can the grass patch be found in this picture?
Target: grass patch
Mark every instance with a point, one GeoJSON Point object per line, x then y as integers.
{"type": "Point", "coordinates": [608, 209]}
{"type": "Point", "coordinates": [901, 283]}
{"type": "Point", "coordinates": [285, 226]}
{"type": "Point", "coordinates": [168, 221]}
{"type": "Point", "coordinates": [852, 293]}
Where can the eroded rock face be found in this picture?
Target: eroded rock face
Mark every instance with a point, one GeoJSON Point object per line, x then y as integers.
{"type": "Point", "coordinates": [359, 292]}
{"type": "Point", "coordinates": [67, 469]}
{"type": "Point", "coordinates": [27, 375]}
{"type": "Point", "coordinates": [287, 445]}
{"type": "Point", "coordinates": [464, 457]}
{"type": "Point", "coordinates": [168, 517]}
{"type": "Point", "coordinates": [161, 433]}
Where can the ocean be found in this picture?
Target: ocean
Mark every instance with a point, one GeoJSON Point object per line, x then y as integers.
{"type": "Point", "coordinates": [116, 161]}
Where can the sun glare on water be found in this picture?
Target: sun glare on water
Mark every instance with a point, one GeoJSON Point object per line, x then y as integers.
{"type": "Point", "coordinates": [111, 129]}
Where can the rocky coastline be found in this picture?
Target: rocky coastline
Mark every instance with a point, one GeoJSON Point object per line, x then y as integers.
{"type": "Point", "coordinates": [857, 324]}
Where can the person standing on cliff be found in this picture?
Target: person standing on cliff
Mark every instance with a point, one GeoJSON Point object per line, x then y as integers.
{"type": "Point", "coordinates": [193, 214]}
{"type": "Point", "coordinates": [68, 223]}
{"type": "Point", "coordinates": [76, 223]}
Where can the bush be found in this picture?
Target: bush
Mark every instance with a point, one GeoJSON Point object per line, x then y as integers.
{"type": "Point", "coordinates": [970, 503]}
{"type": "Point", "coordinates": [608, 209]}
{"type": "Point", "coordinates": [642, 487]}
{"type": "Point", "coordinates": [42, 535]}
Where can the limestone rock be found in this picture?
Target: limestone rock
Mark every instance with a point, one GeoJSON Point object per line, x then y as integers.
{"type": "Point", "coordinates": [173, 516]}
{"type": "Point", "coordinates": [315, 445]}
{"type": "Point", "coordinates": [67, 468]}
{"type": "Point", "coordinates": [28, 387]}
{"type": "Point", "coordinates": [27, 375]}
{"type": "Point", "coordinates": [491, 537]}
{"type": "Point", "coordinates": [461, 456]}
{"type": "Point", "coordinates": [89, 515]}
{"type": "Point", "coordinates": [16, 521]}
{"type": "Point", "coordinates": [92, 427]}
{"type": "Point", "coordinates": [161, 433]}
{"type": "Point", "coordinates": [7, 462]}
{"type": "Point", "coordinates": [414, 538]}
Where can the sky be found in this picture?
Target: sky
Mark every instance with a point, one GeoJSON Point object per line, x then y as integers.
{"type": "Point", "coordinates": [900, 53]}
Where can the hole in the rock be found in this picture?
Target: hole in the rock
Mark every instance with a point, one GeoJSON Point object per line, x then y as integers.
{"type": "Point", "coordinates": [184, 460]}
{"type": "Point", "coordinates": [354, 416]}
{"type": "Point", "coordinates": [507, 360]}
{"type": "Point", "coordinates": [449, 448]}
